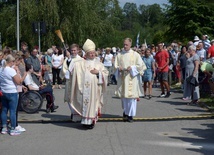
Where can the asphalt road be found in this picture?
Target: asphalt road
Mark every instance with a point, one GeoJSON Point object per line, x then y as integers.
{"type": "Point", "coordinates": [163, 126]}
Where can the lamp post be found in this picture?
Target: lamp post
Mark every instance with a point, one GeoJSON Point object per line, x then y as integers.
{"type": "Point", "coordinates": [0, 42]}
{"type": "Point", "coordinates": [17, 26]}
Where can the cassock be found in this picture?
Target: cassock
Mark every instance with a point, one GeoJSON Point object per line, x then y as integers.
{"type": "Point", "coordinates": [87, 90]}
{"type": "Point", "coordinates": [129, 84]}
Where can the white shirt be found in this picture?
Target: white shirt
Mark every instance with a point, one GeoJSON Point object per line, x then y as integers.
{"type": "Point", "coordinates": [202, 54]}
{"type": "Point", "coordinates": [6, 80]}
{"type": "Point", "coordinates": [57, 60]}
{"type": "Point", "coordinates": [108, 59]}
{"type": "Point", "coordinates": [2, 63]}
{"type": "Point", "coordinates": [29, 81]}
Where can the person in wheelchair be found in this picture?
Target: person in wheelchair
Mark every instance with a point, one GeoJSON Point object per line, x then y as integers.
{"type": "Point", "coordinates": [42, 90]}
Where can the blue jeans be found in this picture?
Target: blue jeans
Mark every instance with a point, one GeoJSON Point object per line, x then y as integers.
{"type": "Point", "coordinates": [9, 103]}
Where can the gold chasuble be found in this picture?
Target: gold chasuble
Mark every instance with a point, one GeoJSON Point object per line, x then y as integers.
{"type": "Point", "coordinates": [128, 85]}
{"type": "Point", "coordinates": [87, 89]}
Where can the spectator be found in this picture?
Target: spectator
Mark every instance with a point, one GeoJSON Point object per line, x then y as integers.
{"type": "Point", "coordinates": [192, 66]}
{"type": "Point", "coordinates": [182, 58]}
{"type": "Point", "coordinates": [57, 61]}
{"type": "Point", "coordinates": [9, 79]}
{"type": "Point", "coordinates": [149, 73]}
{"type": "Point", "coordinates": [206, 42]}
{"type": "Point", "coordinates": [162, 62]}
{"type": "Point", "coordinates": [177, 66]}
{"type": "Point", "coordinates": [107, 60]}
{"type": "Point", "coordinates": [201, 52]}
{"type": "Point", "coordinates": [196, 40]}
{"type": "Point", "coordinates": [24, 47]}
{"type": "Point", "coordinates": [211, 49]}
{"type": "Point", "coordinates": [17, 65]}
{"type": "Point", "coordinates": [42, 89]}
{"type": "Point", "coordinates": [48, 57]}
{"type": "Point", "coordinates": [2, 61]}
{"type": "Point", "coordinates": [35, 62]}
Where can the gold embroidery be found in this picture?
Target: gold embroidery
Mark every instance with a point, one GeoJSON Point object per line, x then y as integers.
{"type": "Point", "coordinates": [89, 67]}
{"type": "Point", "coordinates": [86, 101]}
{"type": "Point", "coordinates": [87, 84]}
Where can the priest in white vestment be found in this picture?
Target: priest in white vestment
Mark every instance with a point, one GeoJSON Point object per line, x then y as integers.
{"type": "Point", "coordinates": [88, 83]}
{"type": "Point", "coordinates": [129, 66]}
{"type": "Point", "coordinates": [71, 56]}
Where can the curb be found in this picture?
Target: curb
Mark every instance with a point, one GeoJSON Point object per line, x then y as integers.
{"type": "Point", "coordinates": [119, 119]}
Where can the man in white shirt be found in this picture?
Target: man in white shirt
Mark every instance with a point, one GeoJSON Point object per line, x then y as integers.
{"type": "Point", "coordinates": [201, 52]}
{"type": "Point", "coordinates": [47, 90]}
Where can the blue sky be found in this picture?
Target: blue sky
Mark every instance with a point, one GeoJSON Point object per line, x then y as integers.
{"type": "Point", "coordinates": [145, 2]}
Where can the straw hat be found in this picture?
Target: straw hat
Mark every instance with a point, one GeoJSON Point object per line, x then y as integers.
{"type": "Point", "coordinates": [108, 49]}
{"type": "Point", "coordinates": [89, 46]}
{"type": "Point", "coordinates": [212, 41]}
{"type": "Point", "coordinates": [196, 38]}
{"type": "Point", "coordinates": [114, 49]}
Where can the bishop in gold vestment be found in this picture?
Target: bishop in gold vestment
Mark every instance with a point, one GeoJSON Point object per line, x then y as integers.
{"type": "Point", "coordinates": [129, 66]}
{"type": "Point", "coordinates": [89, 81]}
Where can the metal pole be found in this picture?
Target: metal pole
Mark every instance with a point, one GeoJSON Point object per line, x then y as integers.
{"type": "Point", "coordinates": [0, 42]}
{"type": "Point", "coordinates": [17, 27]}
{"type": "Point", "coordinates": [39, 36]}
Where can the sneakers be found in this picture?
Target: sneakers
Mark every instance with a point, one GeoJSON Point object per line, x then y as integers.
{"type": "Point", "coordinates": [162, 95]}
{"type": "Point", "coordinates": [178, 84]}
{"type": "Point", "coordinates": [4, 131]}
{"type": "Point", "coordinates": [167, 94]}
{"type": "Point", "coordinates": [20, 129]}
{"type": "Point", "coordinates": [54, 108]}
{"type": "Point", "coordinates": [17, 131]}
{"type": "Point", "coordinates": [14, 132]}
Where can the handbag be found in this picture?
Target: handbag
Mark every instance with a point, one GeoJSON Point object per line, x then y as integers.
{"type": "Point", "coordinates": [192, 80]}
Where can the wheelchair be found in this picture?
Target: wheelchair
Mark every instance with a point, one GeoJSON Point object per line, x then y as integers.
{"type": "Point", "coordinates": [31, 102]}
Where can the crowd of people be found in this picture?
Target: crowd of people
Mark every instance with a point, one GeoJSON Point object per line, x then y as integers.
{"type": "Point", "coordinates": [88, 71]}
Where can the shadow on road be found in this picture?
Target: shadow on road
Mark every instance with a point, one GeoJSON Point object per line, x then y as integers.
{"type": "Point", "coordinates": [204, 141]}
{"type": "Point", "coordinates": [192, 110]}
{"type": "Point", "coordinates": [65, 120]}
{"type": "Point", "coordinates": [171, 102]}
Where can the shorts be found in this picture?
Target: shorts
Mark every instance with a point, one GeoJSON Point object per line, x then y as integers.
{"type": "Point", "coordinates": [163, 76]}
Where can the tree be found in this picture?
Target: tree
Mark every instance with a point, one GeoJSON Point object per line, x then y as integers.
{"type": "Point", "coordinates": [105, 22]}
{"type": "Point", "coordinates": [187, 18]}
{"type": "Point", "coordinates": [150, 14]}
{"type": "Point", "coordinates": [131, 16]}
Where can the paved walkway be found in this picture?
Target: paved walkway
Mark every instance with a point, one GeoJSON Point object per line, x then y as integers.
{"type": "Point", "coordinates": [155, 109]}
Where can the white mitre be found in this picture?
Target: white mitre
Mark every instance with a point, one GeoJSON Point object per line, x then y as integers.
{"type": "Point", "coordinates": [89, 46]}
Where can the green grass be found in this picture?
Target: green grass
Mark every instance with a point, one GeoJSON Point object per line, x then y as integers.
{"type": "Point", "coordinates": [206, 99]}
{"type": "Point", "coordinates": [209, 101]}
